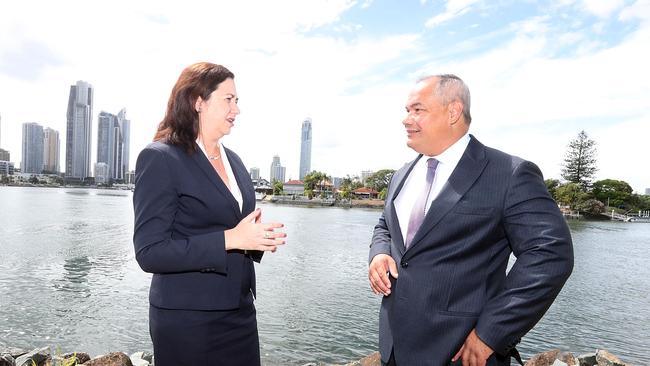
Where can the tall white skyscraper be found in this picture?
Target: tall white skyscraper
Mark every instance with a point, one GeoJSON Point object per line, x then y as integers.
{"type": "Point", "coordinates": [51, 148]}
{"type": "Point", "coordinates": [305, 148]}
{"type": "Point", "coordinates": [112, 149]}
{"type": "Point", "coordinates": [0, 130]}
{"type": "Point", "coordinates": [125, 127]}
{"type": "Point", "coordinates": [277, 170]}
{"type": "Point", "coordinates": [79, 131]}
{"type": "Point", "coordinates": [32, 148]}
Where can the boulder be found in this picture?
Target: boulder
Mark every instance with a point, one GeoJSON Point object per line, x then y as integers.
{"type": "Point", "coordinates": [111, 359]}
{"type": "Point", "coordinates": [604, 358]}
{"type": "Point", "coordinates": [588, 359]}
{"type": "Point", "coordinates": [553, 358]}
{"type": "Point", "coordinates": [79, 357]}
{"type": "Point", "coordinates": [137, 359]}
{"type": "Point", "coordinates": [14, 352]}
{"type": "Point", "coordinates": [37, 356]}
{"type": "Point", "coordinates": [371, 360]}
{"type": "Point", "coordinates": [543, 359]}
{"type": "Point", "coordinates": [7, 360]}
{"type": "Point", "coordinates": [568, 358]}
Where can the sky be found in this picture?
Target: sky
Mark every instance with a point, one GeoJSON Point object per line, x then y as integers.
{"type": "Point", "coordinates": [539, 72]}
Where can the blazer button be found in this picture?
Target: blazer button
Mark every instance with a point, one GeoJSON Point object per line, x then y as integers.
{"type": "Point", "coordinates": [404, 264]}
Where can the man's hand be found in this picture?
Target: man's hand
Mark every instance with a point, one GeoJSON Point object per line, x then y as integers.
{"type": "Point", "coordinates": [378, 270]}
{"type": "Point", "coordinates": [473, 352]}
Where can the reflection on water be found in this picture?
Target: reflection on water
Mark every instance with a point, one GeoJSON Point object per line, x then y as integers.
{"type": "Point", "coordinates": [75, 276]}
{"type": "Point", "coordinates": [68, 277]}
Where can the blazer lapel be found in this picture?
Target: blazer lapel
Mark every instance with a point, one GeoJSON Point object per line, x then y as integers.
{"type": "Point", "coordinates": [199, 158]}
{"type": "Point", "coordinates": [396, 232]}
{"type": "Point", "coordinates": [244, 182]}
{"type": "Point", "coordinates": [469, 168]}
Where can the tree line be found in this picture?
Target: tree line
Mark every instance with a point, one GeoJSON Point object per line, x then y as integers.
{"type": "Point", "coordinates": [580, 193]}
{"type": "Point", "coordinates": [576, 190]}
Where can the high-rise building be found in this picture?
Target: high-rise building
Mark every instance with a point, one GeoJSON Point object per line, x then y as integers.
{"type": "Point", "coordinates": [647, 190]}
{"type": "Point", "coordinates": [32, 148]}
{"type": "Point", "coordinates": [305, 148]}
{"type": "Point", "coordinates": [51, 147]}
{"type": "Point", "coordinates": [112, 149]}
{"type": "Point", "coordinates": [125, 128]}
{"type": "Point", "coordinates": [0, 131]}
{"type": "Point", "coordinates": [255, 173]}
{"type": "Point", "coordinates": [106, 143]}
{"type": "Point", "coordinates": [277, 170]}
{"type": "Point", "coordinates": [101, 173]}
{"type": "Point", "coordinates": [6, 167]}
{"type": "Point", "coordinates": [4, 155]}
{"type": "Point", "coordinates": [79, 131]}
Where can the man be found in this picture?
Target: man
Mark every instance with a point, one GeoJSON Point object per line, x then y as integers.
{"type": "Point", "coordinates": [453, 216]}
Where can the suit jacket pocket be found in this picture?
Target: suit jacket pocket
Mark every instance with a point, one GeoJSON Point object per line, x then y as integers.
{"type": "Point", "coordinates": [473, 210]}
{"type": "Point", "coordinates": [462, 314]}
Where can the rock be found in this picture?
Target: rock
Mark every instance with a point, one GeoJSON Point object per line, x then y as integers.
{"type": "Point", "coordinates": [568, 358]}
{"type": "Point", "coordinates": [14, 352]}
{"type": "Point", "coordinates": [588, 359]}
{"type": "Point", "coordinates": [37, 356]}
{"type": "Point", "coordinates": [7, 360]}
{"type": "Point", "coordinates": [543, 359]}
{"type": "Point", "coordinates": [137, 359]}
{"type": "Point", "coordinates": [80, 357]}
{"type": "Point", "coordinates": [604, 358]}
{"type": "Point", "coordinates": [147, 357]}
{"type": "Point", "coordinates": [371, 360]}
{"type": "Point", "coordinates": [558, 363]}
{"type": "Point", "coordinates": [111, 359]}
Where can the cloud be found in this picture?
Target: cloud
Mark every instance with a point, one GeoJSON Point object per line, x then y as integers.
{"type": "Point", "coordinates": [28, 60]}
{"type": "Point", "coordinates": [453, 9]}
{"type": "Point", "coordinates": [602, 8]}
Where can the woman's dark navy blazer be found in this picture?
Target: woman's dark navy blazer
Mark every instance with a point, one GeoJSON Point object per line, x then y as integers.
{"type": "Point", "coordinates": [182, 208]}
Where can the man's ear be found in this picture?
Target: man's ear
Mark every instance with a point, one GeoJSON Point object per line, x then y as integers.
{"type": "Point", "coordinates": [455, 110]}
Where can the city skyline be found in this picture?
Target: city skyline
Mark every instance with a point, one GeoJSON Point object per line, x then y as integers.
{"type": "Point", "coordinates": [539, 73]}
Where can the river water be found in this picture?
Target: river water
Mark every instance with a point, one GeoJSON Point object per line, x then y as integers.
{"type": "Point", "coordinates": [68, 278]}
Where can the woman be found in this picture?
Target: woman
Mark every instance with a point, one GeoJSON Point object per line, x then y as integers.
{"type": "Point", "coordinates": [197, 229]}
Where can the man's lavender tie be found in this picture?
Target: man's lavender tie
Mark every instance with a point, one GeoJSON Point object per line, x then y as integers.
{"type": "Point", "coordinates": [417, 214]}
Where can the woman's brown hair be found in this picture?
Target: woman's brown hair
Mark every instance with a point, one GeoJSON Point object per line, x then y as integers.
{"type": "Point", "coordinates": [181, 123]}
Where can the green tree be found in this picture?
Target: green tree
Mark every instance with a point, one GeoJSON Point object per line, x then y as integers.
{"type": "Point", "coordinates": [379, 180]}
{"type": "Point", "coordinates": [571, 194]}
{"type": "Point", "coordinates": [313, 181]}
{"type": "Point", "coordinates": [617, 192]}
{"type": "Point", "coordinates": [278, 187]}
{"type": "Point", "coordinates": [580, 161]}
{"type": "Point", "coordinates": [644, 202]}
{"type": "Point", "coordinates": [551, 185]}
{"type": "Point", "coordinates": [591, 206]}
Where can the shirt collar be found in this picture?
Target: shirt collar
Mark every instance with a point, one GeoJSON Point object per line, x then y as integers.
{"type": "Point", "coordinates": [454, 152]}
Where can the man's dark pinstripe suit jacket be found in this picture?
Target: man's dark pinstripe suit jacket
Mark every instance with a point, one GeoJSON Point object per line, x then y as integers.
{"type": "Point", "coordinates": [453, 276]}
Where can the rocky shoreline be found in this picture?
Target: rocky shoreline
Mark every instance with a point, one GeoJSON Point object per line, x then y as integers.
{"type": "Point", "coordinates": [43, 357]}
